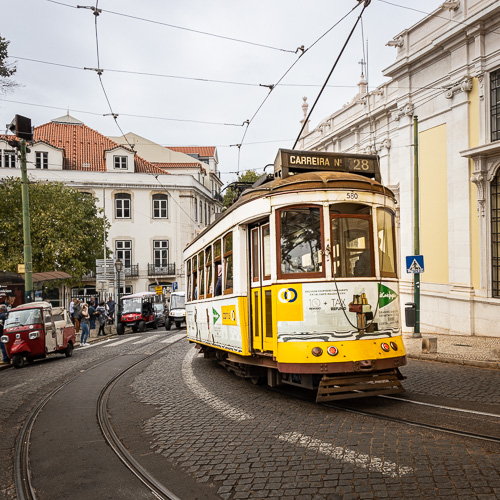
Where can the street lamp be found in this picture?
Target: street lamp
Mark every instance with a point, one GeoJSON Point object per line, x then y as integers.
{"type": "Point", "coordinates": [119, 269]}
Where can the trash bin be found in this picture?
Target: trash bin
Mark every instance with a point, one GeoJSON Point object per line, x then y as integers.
{"type": "Point", "coordinates": [410, 314]}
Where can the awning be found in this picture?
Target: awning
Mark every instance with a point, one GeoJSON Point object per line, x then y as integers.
{"type": "Point", "coordinates": [54, 275]}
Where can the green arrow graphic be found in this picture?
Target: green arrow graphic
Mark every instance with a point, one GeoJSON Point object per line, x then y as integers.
{"type": "Point", "coordinates": [216, 315]}
{"type": "Point", "coordinates": [385, 295]}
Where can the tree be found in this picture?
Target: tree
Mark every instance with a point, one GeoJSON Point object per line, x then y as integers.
{"type": "Point", "coordinates": [6, 69]}
{"type": "Point", "coordinates": [235, 188]}
{"type": "Point", "coordinates": [67, 229]}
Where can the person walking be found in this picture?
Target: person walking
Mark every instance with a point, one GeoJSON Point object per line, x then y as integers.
{"type": "Point", "coordinates": [3, 315]}
{"type": "Point", "coordinates": [78, 314]}
{"type": "Point", "coordinates": [72, 310]}
{"type": "Point", "coordinates": [101, 318]}
{"type": "Point", "coordinates": [111, 309]}
{"type": "Point", "coordinates": [92, 315]}
{"type": "Point", "coordinates": [85, 324]}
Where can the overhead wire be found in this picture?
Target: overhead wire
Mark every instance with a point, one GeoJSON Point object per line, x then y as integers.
{"type": "Point", "coordinates": [183, 28]}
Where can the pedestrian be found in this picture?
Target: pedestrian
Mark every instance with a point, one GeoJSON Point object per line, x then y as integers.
{"type": "Point", "coordinates": [111, 309]}
{"type": "Point", "coordinates": [92, 314]}
{"type": "Point", "coordinates": [3, 316]}
{"type": "Point", "coordinates": [101, 318]}
{"type": "Point", "coordinates": [72, 310]}
{"type": "Point", "coordinates": [10, 302]}
{"type": "Point", "coordinates": [85, 324]}
{"type": "Point", "coordinates": [78, 314]}
{"type": "Point", "coordinates": [218, 285]}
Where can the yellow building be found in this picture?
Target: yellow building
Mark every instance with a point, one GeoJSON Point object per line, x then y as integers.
{"type": "Point", "coordinates": [446, 73]}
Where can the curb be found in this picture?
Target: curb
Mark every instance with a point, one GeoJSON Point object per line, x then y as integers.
{"type": "Point", "coordinates": [493, 365]}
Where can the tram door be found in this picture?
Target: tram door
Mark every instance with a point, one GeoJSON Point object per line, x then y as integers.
{"type": "Point", "coordinates": [260, 286]}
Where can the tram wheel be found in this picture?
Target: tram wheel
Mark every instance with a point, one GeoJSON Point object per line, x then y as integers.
{"type": "Point", "coordinates": [18, 360]}
{"type": "Point", "coordinates": [68, 352]}
{"type": "Point", "coordinates": [142, 326]}
{"type": "Point", "coordinates": [168, 324]}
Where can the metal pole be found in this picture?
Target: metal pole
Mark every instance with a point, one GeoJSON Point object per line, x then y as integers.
{"type": "Point", "coordinates": [28, 265]}
{"type": "Point", "coordinates": [416, 228]}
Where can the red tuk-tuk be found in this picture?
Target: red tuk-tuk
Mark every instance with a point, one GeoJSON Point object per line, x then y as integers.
{"type": "Point", "coordinates": [35, 330]}
{"type": "Point", "coordinates": [137, 312]}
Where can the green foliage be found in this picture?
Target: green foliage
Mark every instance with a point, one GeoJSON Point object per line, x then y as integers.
{"type": "Point", "coordinates": [67, 229]}
{"type": "Point", "coordinates": [232, 194]}
{"type": "Point", "coordinates": [6, 69]}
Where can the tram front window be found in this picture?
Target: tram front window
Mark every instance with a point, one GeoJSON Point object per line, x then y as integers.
{"type": "Point", "coordinates": [352, 253]}
{"type": "Point", "coordinates": [300, 240]}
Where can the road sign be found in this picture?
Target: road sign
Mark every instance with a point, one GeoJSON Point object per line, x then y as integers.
{"type": "Point", "coordinates": [174, 286]}
{"type": "Point", "coordinates": [415, 264]}
{"type": "Point", "coordinates": [159, 290]}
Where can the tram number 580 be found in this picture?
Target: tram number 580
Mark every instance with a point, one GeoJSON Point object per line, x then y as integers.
{"type": "Point", "coordinates": [351, 196]}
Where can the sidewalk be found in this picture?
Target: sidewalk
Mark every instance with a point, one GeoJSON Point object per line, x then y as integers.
{"type": "Point", "coordinates": [467, 350]}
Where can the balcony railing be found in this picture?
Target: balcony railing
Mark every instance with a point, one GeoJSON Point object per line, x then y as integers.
{"type": "Point", "coordinates": [165, 270]}
{"type": "Point", "coordinates": [132, 271]}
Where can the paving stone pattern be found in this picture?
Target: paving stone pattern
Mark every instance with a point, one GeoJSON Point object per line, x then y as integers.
{"type": "Point", "coordinates": [289, 449]}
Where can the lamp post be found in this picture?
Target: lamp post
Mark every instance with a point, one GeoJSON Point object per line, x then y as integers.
{"type": "Point", "coordinates": [118, 268]}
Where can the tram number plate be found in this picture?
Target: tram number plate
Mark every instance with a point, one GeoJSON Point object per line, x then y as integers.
{"type": "Point", "coordinates": [351, 196]}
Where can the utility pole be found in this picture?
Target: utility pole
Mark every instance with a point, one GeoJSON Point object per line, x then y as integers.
{"type": "Point", "coordinates": [28, 264]}
{"type": "Point", "coordinates": [416, 228]}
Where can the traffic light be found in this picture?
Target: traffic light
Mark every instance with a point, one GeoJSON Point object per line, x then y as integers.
{"type": "Point", "coordinates": [21, 126]}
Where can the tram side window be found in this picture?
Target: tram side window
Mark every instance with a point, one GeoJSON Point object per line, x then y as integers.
{"type": "Point", "coordinates": [189, 280]}
{"type": "Point", "coordinates": [352, 253]}
{"type": "Point", "coordinates": [208, 271]}
{"type": "Point", "coordinates": [218, 267]}
{"type": "Point", "coordinates": [228, 263]}
{"type": "Point", "coordinates": [195, 279]}
{"type": "Point", "coordinates": [201, 281]}
{"type": "Point", "coordinates": [300, 240]}
{"type": "Point", "coordinates": [266, 250]}
{"type": "Point", "coordinates": [386, 242]}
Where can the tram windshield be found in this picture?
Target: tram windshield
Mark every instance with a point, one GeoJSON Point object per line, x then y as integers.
{"type": "Point", "coordinates": [300, 240]}
{"type": "Point", "coordinates": [352, 253]}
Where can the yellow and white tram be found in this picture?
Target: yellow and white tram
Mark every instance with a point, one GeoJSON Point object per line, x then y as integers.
{"type": "Point", "coordinates": [297, 281]}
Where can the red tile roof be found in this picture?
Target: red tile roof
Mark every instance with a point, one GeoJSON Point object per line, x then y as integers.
{"type": "Point", "coordinates": [204, 151]}
{"type": "Point", "coordinates": [82, 144]}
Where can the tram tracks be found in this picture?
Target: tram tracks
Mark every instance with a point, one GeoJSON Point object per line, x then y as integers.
{"type": "Point", "coordinates": [23, 480]}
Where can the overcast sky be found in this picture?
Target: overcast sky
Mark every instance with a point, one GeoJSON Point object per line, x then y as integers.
{"type": "Point", "coordinates": [167, 109]}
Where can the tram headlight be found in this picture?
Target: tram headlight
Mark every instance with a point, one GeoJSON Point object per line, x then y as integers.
{"type": "Point", "coordinates": [394, 346]}
{"type": "Point", "coordinates": [332, 350]}
{"type": "Point", "coordinates": [385, 347]}
{"type": "Point", "coordinates": [317, 351]}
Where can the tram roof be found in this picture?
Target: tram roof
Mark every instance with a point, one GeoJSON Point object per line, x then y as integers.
{"type": "Point", "coordinates": [310, 181]}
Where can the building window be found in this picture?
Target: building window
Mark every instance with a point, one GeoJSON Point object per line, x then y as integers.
{"type": "Point", "coordinates": [123, 203]}
{"type": "Point", "coordinates": [120, 162]}
{"type": "Point", "coordinates": [495, 104]}
{"type": "Point", "coordinates": [42, 159]}
{"type": "Point", "coordinates": [495, 234]}
{"type": "Point", "coordinates": [9, 159]}
{"type": "Point", "coordinates": [195, 210]}
{"type": "Point", "coordinates": [160, 251]}
{"type": "Point", "coordinates": [206, 214]}
{"type": "Point", "coordinates": [201, 212]}
{"type": "Point", "coordinates": [160, 206]}
{"type": "Point", "coordinates": [123, 251]}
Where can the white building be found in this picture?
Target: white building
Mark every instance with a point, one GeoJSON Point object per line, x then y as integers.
{"type": "Point", "coordinates": [155, 207]}
{"type": "Point", "coordinates": [447, 71]}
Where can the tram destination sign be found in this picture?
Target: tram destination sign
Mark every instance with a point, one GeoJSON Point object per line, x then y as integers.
{"type": "Point", "coordinates": [290, 161]}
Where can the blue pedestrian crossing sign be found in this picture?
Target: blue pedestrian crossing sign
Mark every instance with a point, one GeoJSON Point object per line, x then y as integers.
{"type": "Point", "coordinates": [415, 264]}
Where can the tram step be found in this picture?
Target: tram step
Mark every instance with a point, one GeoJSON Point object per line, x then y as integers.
{"type": "Point", "coordinates": [358, 386]}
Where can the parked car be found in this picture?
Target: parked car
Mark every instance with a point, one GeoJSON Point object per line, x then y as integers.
{"type": "Point", "coordinates": [160, 313]}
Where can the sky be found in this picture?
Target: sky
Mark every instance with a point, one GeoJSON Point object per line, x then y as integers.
{"type": "Point", "coordinates": [223, 53]}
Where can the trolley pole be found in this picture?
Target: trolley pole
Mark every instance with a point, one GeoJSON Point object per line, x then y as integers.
{"type": "Point", "coordinates": [416, 228]}
{"type": "Point", "coordinates": [28, 264]}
